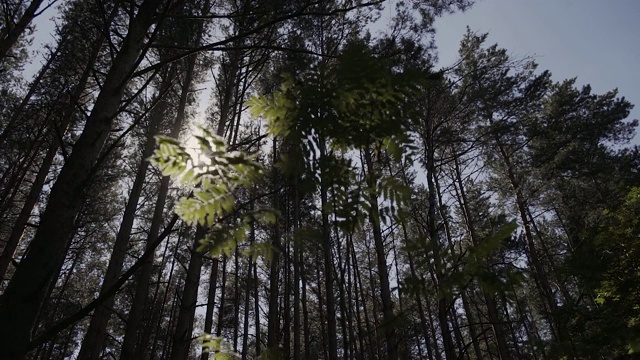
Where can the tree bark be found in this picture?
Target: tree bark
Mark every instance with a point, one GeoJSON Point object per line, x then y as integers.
{"type": "Point", "coordinates": [11, 35]}
{"type": "Point", "coordinates": [93, 342]}
{"type": "Point", "coordinates": [130, 347]}
{"type": "Point", "coordinates": [332, 336]}
{"type": "Point", "coordinates": [26, 291]}
{"type": "Point", "coordinates": [186, 314]}
{"type": "Point", "coordinates": [388, 317]}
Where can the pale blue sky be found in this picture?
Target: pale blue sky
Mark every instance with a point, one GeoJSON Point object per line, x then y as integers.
{"type": "Point", "coordinates": [594, 40]}
{"type": "Point", "coordinates": [597, 41]}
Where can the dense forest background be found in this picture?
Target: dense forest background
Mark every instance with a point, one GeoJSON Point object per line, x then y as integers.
{"type": "Point", "coordinates": [341, 196]}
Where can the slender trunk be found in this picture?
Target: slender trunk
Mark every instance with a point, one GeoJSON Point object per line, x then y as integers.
{"type": "Point", "coordinates": [538, 270]}
{"type": "Point", "coordinates": [388, 316]}
{"type": "Point", "coordinates": [472, 325]}
{"type": "Point", "coordinates": [247, 291]}
{"type": "Point", "coordinates": [434, 236]}
{"type": "Point", "coordinates": [256, 310]}
{"type": "Point", "coordinates": [15, 116]}
{"type": "Point", "coordinates": [247, 298]}
{"type": "Point", "coordinates": [187, 310]}
{"type": "Point", "coordinates": [532, 334]}
{"type": "Point", "coordinates": [305, 310]}
{"type": "Point", "coordinates": [350, 293]}
{"type": "Point", "coordinates": [512, 330]}
{"type": "Point", "coordinates": [273, 321]}
{"type": "Point", "coordinates": [26, 291]}
{"type": "Point", "coordinates": [11, 35]}
{"type": "Point", "coordinates": [332, 334]}
{"type": "Point", "coordinates": [297, 352]}
{"type": "Point", "coordinates": [458, 335]}
{"type": "Point", "coordinates": [356, 294]}
{"type": "Point", "coordinates": [321, 313]}
{"type": "Point", "coordinates": [424, 323]}
{"type": "Point", "coordinates": [166, 349]}
{"type": "Point", "coordinates": [236, 298]}
{"type": "Point", "coordinates": [94, 339]}
{"type": "Point", "coordinates": [492, 310]}
{"type": "Point", "coordinates": [223, 287]}
{"type": "Point", "coordinates": [159, 324]}
{"type": "Point", "coordinates": [211, 303]}
{"type": "Point", "coordinates": [367, 323]}
{"type": "Point", "coordinates": [346, 338]}
{"type": "Point", "coordinates": [286, 341]}
{"type": "Point", "coordinates": [130, 346]}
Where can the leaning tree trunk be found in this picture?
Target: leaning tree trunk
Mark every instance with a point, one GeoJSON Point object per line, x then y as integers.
{"type": "Point", "coordinates": [489, 299]}
{"type": "Point", "coordinates": [10, 36]}
{"type": "Point", "coordinates": [26, 292]}
{"type": "Point", "coordinates": [96, 333]}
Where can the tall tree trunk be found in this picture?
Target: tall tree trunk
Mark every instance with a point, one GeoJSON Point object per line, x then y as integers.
{"type": "Point", "coordinates": [492, 309]}
{"type": "Point", "coordinates": [10, 35]}
{"type": "Point", "coordinates": [443, 299]}
{"type": "Point", "coordinates": [370, 331]}
{"type": "Point", "coordinates": [332, 334]}
{"type": "Point", "coordinates": [247, 290]}
{"type": "Point", "coordinates": [273, 319]}
{"type": "Point", "coordinates": [188, 300]}
{"type": "Point", "coordinates": [131, 348]}
{"type": "Point", "coordinates": [256, 310]}
{"type": "Point", "coordinates": [211, 302]}
{"type": "Point", "coordinates": [388, 317]}
{"type": "Point", "coordinates": [223, 287]}
{"type": "Point", "coordinates": [538, 270]}
{"type": "Point", "coordinates": [424, 323]}
{"type": "Point", "coordinates": [472, 325]}
{"type": "Point", "coordinates": [93, 342]}
{"type": "Point", "coordinates": [297, 345]}
{"type": "Point", "coordinates": [306, 323]}
{"type": "Point", "coordinates": [236, 298]}
{"type": "Point", "coordinates": [26, 291]}
{"type": "Point", "coordinates": [159, 324]}
{"type": "Point", "coordinates": [15, 116]}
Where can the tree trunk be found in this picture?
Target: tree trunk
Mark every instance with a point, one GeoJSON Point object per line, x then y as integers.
{"type": "Point", "coordinates": [247, 290]}
{"type": "Point", "coordinates": [492, 310]}
{"type": "Point", "coordinates": [297, 345]}
{"type": "Point", "coordinates": [273, 320]}
{"type": "Point", "coordinates": [8, 128]}
{"type": "Point", "coordinates": [94, 339]}
{"type": "Point", "coordinates": [11, 35]}
{"type": "Point", "coordinates": [188, 301]}
{"type": "Point", "coordinates": [388, 317]}
{"type": "Point", "coordinates": [538, 270]}
{"type": "Point", "coordinates": [332, 336]}
{"type": "Point", "coordinates": [211, 302]}
{"type": "Point", "coordinates": [130, 347]}
{"type": "Point", "coordinates": [26, 291]}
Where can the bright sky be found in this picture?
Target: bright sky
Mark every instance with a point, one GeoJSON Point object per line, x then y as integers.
{"type": "Point", "coordinates": [593, 40]}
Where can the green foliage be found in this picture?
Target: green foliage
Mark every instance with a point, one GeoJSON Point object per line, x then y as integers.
{"type": "Point", "coordinates": [215, 174]}
{"type": "Point", "coordinates": [271, 354]}
{"type": "Point", "coordinates": [619, 246]}
{"type": "Point", "coordinates": [219, 349]}
{"type": "Point", "coordinates": [350, 104]}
